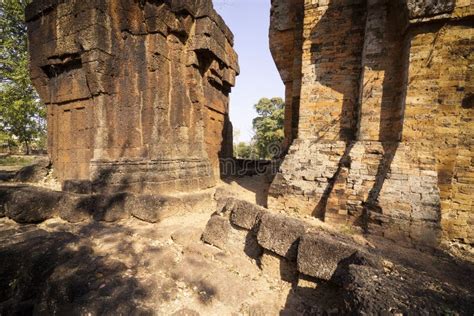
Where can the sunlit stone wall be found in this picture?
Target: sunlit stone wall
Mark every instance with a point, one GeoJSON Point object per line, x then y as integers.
{"type": "Point", "coordinates": [137, 92]}
{"type": "Point", "coordinates": [384, 130]}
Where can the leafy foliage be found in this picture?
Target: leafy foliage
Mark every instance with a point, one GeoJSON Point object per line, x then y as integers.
{"type": "Point", "coordinates": [268, 127]}
{"type": "Point", "coordinates": [244, 150]}
{"type": "Point", "coordinates": [21, 113]}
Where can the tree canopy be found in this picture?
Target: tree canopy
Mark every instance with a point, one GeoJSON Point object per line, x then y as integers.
{"type": "Point", "coordinates": [21, 113]}
{"type": "Point", "coordinates": [244, 150]}
{"type": "Point", "coordinates": [268, 127]}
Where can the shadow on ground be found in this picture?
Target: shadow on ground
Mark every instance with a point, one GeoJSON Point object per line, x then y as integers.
{"type": "Point", "coordinates": [361, 285]}
{"type": "Point", "coordinates": [257, 185]}
{"type": "Point", "coordinates": [59, 273]}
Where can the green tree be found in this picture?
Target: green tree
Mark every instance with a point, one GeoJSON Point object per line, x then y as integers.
{"type": "Point", "coordinates": [268, 127]}
{"type": "Point", "coordinates": [6, 141]}
{"type": "Point", "coordinates": [22, 116]}
{"type": "Point", "coordinates": [244, 151]}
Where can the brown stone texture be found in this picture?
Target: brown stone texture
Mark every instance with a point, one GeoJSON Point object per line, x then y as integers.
{"type": "Point", "coordinates": [382, 95]}
{"type": "Point", "coordinates": [137, 91]}
{"type": "Point", "coordinates": [244, 214]}
{"type": "Point", "coordinates": [319, 254]}
{"type": "Point", "coordinates": [423, 8]}
{"type": "Point", "coordinates": [217, 231]}
{"type": "Point", "coordinates": [364, 277]}
{"type": "Point", "coordinates": [280, 234]}
{"type": "Point", "coordinates": [285, 45]}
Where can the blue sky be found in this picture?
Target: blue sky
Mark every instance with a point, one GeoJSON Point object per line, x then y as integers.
{"type": "Point", "coordinates": [249, 21]}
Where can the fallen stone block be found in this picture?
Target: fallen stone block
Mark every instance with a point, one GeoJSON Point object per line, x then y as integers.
{"type": "Point", "coordinates": [280, 234]}
{"type": "Point", "coordinates": [153, 208]}
{"type": "Point", "coordinates": [369, 289]}
{"type": "Point", "coordinates": [102, 207]}
{"type": "Point", "coordinates": [5, 192]}
{"type": "Point", "coordinates": [107, 207]}
{"type": "Point", "coordinates": [320, 253]}
{"type": "Point", "coordinates": [223, 234]}
{"type": "Point", "coordinates": [245, 214]}
{"type": "Point", "coordinates": [76, 208]}
{"type": "Point", "coordinates": [225, 204]}
{"type": "Point", "coordinates": [217, 231]}
{"type": "Point", "coordinates": [33, 173]}
{"type": "Point", "coordinates": [32, 205]}
{"type": "Point", "coordinates": [26, 204]}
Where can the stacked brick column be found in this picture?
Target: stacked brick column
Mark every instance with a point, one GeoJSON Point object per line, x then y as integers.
{"type": "Point", "coordinates": [385, 120]}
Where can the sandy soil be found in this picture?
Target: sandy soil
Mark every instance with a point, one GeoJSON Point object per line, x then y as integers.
{"type": "Point", "coordinates": [166, 263]}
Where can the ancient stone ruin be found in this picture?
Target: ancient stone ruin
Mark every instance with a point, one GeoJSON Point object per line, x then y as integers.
{"type": "Point", "coordinates": [137, 92]}
{"type": "Point", "coordinates": [371, 209]}
{"type": "Point", "coordinates": [379, 115]}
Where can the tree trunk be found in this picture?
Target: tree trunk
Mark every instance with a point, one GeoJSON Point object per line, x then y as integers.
{"type": "Point", "coordinates": [27, 145]}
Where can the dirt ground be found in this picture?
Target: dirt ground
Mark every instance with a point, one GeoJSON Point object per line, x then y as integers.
{"type": "Point", "coordinates": [131, 267]}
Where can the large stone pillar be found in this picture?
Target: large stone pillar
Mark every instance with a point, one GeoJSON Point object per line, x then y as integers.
{"type": "Point", "coordinates": [133, 90]}
{"type": "Point", "coordinates": [286, 35]}
{"type": "Point", "coordinates": [331, 47]}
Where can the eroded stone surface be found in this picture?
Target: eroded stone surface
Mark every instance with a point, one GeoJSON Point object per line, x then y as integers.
{"type": "Point", "coordinates": [426, 8]}
{"type": "Point", "coordinates": [335, 274]}
{"type": "Point", "coordinates": [245, 214]}
{"type": "Point", "coordinates": [217, 231]}
{"type": "Point", "coordinates": [320, 254]}
{"type": "Point", "coordinates": [370, 289]}
{"type": "Point", "coordinates": [152, 208]}
{"type": "Point", "coordinates": [129, 267]}
{"type": "Point", "coordinates": [280, 234]}
{"type": "Point", "coordinates": [29, 204]}
{"type": "Point", "coordinates": [379, 95]}
{"type": "Point", "coordinates": [35, 172]}
{"type": "Point", "coordinates": [137, 91]}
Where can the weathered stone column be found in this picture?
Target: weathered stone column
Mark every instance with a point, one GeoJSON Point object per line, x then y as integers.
{"type": "Point", "coordinates": [286, 31]}
{"type": "Point", "coordinates": [332, 40]}
{"type": "Point", "coordinates": [439, 108]}
{"type": "Point", "coordinates": [137, 91]}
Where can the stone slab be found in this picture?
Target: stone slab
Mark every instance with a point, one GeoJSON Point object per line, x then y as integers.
{"type": "Point", "coordinates": [217, 231]}
{"type": "Point", "coordinates": [280, 234]}
{"type": "Point", "coordinates": [32, 205]}
{"type": "Point", "coordinates": [319, 254]}
{"type": "Point", "coordinates": [244, 214]}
